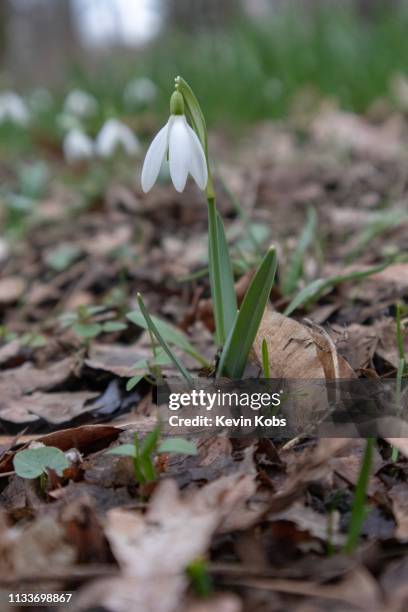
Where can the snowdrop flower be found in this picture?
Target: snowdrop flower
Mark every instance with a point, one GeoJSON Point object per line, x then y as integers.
{"type": "Point", "coordinates": [77, 146]}
{"type": "Point", "coordinates": [139, 92]}
{"type": "Point", "coordinates": [80, 103]}
{"type": "Point", "coordinates": [115, 134]}
{"type": "Point", "coordinates": [13, 108]}
{"type": "Point", "coordinates": [185, 153]}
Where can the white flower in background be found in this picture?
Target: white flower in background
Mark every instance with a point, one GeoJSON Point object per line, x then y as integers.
{"type": "Point", "coordinates": [139, 92]}
{"type": "Point", "coordinates": [80, 103]}
{"type": "Point", "coordinates": [115, 135]}
{"type": "Point", "coordinates": [77, 146]}
{"type": "Point", "coordinates": [13, 108]}
{"type": "Point", "coordinates": [185, 153]}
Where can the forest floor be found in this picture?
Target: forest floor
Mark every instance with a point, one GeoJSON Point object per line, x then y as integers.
{"type": "Point", "coordinates": [259, 523]}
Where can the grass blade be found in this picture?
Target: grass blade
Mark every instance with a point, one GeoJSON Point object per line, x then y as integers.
{"type": "Point", "coordinates": [152, 327]}
{"type": "Point", "coordinates": [358, 511]}
{"type": "Point", "coordinates": [170, 334]}
{"type": "Point", "coordinates": [317, 287]}
{"type": "Point", "coordinates": [236, 350]}
{"type": "Point", "coordinates": [295, 267]}
{"type": "Point", "coordinates": [265, 359]}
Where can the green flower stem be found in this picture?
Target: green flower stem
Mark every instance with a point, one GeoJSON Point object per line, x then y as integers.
{"type": "Point", "coordinates": [214, 261]}
{"type": "Point", "coordinates": [358, 511]}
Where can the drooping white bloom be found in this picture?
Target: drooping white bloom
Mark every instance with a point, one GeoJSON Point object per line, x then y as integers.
{"type": "Point", "coordinates": [80, 103]}
{"type": "Point", "coordinates": [113, 135]}
{"type": "Point", "coordinates": [186, 155]}
{"type": "Point", "coordinates": [138, 92]}
{"type": "Point", "coordinates": [77, 146]}
{"type": "Point", "coordinates": [13, 108]}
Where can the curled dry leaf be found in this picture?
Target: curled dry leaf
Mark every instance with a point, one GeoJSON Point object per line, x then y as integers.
{"type": "Point", "coordinates": [296, 351]}
{"type": "Point", "coordinates": [300, 353]}
{"type": "Point", "coordinates": [42, 541]}
{"type": "Point", "coordinates": [154, 550]}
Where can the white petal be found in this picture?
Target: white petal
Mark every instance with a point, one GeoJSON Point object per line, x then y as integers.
{"type": "Point", "coordinates": [154, 158]}
{"type": "Point", "coordinates": [198, 163]}
{"type": "Point", "coordinates": [180, 151]}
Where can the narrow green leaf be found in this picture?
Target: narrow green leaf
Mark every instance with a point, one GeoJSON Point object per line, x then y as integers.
{"type": "Point", "coordinates": [132, 382]}
{"type": "Point", "coordinates": [153, 329]}
{"type": "Point", "coordinates": [318, 286]}
{"type": "Point", "coordinates": [147, 466]}
{"type": "Point", "coordinates": [236, 350]}
{"type": "Point", "coordinates": [295, 267]}
{"type": "Point", "coordinates": [265, 359]}
{"type": "Point", "coordinates": [149, 442]}
{"type": "Point", "coordinates": [124, 450]}
{"type": "Point", "coordinates": [358, 512]}
{"type": "Point", "coordinates": [229, 296]}
{"type": "Point", "coordinates": [177, 445]}
{"type": "Point", "coordinates": [170, 334]}
{"type": "Point", "coordinates": [214, 268]}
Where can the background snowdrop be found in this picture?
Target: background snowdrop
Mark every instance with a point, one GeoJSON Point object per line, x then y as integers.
{"type": "Point", "coordinates": [13, 108]}
{"type": "Point", "coordinates": [77, 146]}
{"type": "Point", "coordinates": [139, 92]}
{"type": "Point", "coordinates": [80, 103]}
{"type": "Point", "coordinates": [116, 135]}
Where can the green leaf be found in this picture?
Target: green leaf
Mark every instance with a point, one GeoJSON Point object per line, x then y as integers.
{"type": "Point", "coordinates": [318, 286]}
{"type": "Point", "coordinates": [149, 442]}
{"type": "Point", "coordinates": [169, 333]}
{"type": "Point", "coordinates": [358, 511]}
{"type": "Point", "coordinates": [236, 350]}
{"type": "Point", "coordinates": [295, 267]}
{"type": "Point", "coordinates": [32, 462]}
{"type": "Point", "coordinates": [113, 326]}
{"type": "Point", "coordinates": [132, 382]}
{"type": "Point", "coordinates": [265, 359]}
{"type": "Point", "coordinates": [177, 445]}
{"type": "Point", "coordinates": [68, 318]}
{"type": "Point", "coordinates": [155, 332]}
{"type": "Point", "coordinates": [229, 296]}
{"type": "Point", "coordinates": [62, 257]}
{"type": "Point", "coordinates": [221, 277]}
{"type": "Point", "coordinates": [87, 330]}
{"type": "Point", "coordinates": [124, 450]}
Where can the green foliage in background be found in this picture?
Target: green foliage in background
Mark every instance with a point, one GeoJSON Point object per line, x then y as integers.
{"type": "Point", "coordinates": [263, 64]}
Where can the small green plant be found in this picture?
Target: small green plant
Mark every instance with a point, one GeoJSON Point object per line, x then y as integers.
{"type": "Point", "coordinates": [143, 452]}
{"type": "Point", "coordinates": [34, 463]}
{"type": "Point", "coordinates": [86, 323]}
{"type": "Point", "coordinates": [294, 270]}
{"type": "Point", "coordinates": [6, 335]}
{"type": "Point", "coordinates": [200, 579]}
{"type": "Point", "coordinates": [359, 511]}
{"type": "Point", "coordinates": [312, 292]}
{"type": "Point", "coordinates": [183, 140]}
